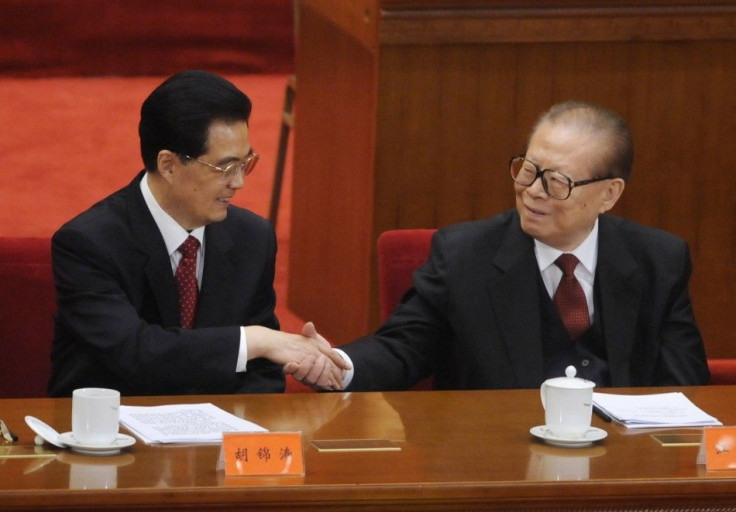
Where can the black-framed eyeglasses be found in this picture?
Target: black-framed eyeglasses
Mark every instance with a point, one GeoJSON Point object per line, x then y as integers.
{"type": "Point", "coordinates": [246, 166]}
{"type": "Point", "coordinates": [555, 184]}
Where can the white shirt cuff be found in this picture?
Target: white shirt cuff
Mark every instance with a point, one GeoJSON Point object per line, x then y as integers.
{"type": "Point", "coordinates": [349, 373]}
{"type": "Point", "coordinates": [240, 366]}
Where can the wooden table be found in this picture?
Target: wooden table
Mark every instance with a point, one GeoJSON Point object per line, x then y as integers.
{"type": "Point", "coordinates": [459, 450]}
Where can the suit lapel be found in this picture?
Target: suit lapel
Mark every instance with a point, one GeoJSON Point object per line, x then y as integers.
{"type": "Point", "coordinates": [151, 247]}
{"type": "Point", "coordinates": [621, 291]}
{"type": "Point", "coordinates": [218, 269]}
{"type": "Point", "coordinates": [514, 294]}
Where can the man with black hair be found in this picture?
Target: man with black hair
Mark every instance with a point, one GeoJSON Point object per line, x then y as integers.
{"type": "Point", "coordinates": [165, 287]}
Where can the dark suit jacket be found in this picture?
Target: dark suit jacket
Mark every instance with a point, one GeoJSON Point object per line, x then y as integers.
{"type": "Point", "coordinates": [118, 316]}
{"type": "Point", "coordinates": [473, 316]}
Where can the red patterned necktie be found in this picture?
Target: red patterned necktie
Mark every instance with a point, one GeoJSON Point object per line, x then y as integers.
{"type": "Point", "coordinates": [570, 298]}
{"type": "Point", "coordinates": [186, 281]}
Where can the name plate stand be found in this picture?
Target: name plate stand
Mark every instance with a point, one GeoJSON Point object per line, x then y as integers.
{"type": "Point", "coordinates": [718, 448]}
{"type": "Point", "coordinates": [261, 453]}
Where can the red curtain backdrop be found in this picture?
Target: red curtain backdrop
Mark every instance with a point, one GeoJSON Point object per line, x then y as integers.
{"type": "Point", "coordinates": [145, 37]}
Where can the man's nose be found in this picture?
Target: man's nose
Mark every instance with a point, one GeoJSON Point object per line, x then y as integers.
{"type": "Point", "coordinates": [236, 180]}
{"type": "Point", "coordinates": [537, 187]}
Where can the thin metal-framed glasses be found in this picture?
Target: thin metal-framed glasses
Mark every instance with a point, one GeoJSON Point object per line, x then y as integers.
{"type": "Point", "coordinates": [246, 166]}
{"type": "Point", "coordinates": [556, 184]}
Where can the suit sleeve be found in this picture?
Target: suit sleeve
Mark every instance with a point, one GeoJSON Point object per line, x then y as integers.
{"type": "Point", "coordinates": [261, 374]}
{"type": "Point", "coordinates": [682, 360]}
{"type": "Point", "coordinates": [412, 342]}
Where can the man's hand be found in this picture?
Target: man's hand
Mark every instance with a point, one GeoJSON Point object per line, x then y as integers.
{"type": "Point", "coordinates": [309, 354]}
{"type": "Point", "coordinates": [315, 372]}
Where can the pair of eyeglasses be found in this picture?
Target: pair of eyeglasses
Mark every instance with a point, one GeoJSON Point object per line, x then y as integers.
{"type": "Point", "coordinates": [245, 167]}
{"type": "Point", "coordinates": [555, 184]}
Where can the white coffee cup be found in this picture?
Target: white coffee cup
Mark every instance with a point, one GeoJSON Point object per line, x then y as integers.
{"type": "Point", "coordinates": [568, 404]}
{"type": "Point", "coordinates": [95, 415]}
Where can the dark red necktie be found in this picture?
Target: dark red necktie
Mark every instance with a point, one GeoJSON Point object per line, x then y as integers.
{"type": "Point", "coordinates": [570, 298]}
{"type": "Point", "coordinates": [186, 281]}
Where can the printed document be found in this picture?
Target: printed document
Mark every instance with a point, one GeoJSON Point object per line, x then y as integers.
{"type": "Point", "coordinates": [660, 410]}
{"type": "Point", "coordinates": [188, 423]}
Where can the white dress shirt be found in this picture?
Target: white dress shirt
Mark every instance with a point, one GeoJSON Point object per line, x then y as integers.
{"type": "Point", "coordinates": [586, 253]}
{"type": "Point", "coordinates": [174, 235]}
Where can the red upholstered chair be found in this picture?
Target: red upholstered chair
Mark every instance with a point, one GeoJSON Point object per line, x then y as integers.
{"type": "Point", "coordinates": [722, 371]}
{"type": "Point", "coordinates": [27, 306]}
{"type": "Point", "coordinates": [400, 252]}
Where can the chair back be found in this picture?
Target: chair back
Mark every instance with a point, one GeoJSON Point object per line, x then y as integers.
{"type": "Point", "coordinates": [722, 371]}
{"type": "Point", "coordinates": [27, 307]}
{"type": "Point", "coordinates": [400, 253]}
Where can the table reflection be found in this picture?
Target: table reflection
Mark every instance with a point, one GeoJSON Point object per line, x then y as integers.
{"type": "Point", "coordinates": [90, 472]}
{"type": "Point", "coordinates": [552, 463]}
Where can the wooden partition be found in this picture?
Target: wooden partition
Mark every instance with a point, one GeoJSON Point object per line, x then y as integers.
{"type": "Point", "coordinates": [408, 111]}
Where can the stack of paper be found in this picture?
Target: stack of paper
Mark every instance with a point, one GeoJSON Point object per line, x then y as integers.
{"type": "Point", "coordinates": [190, 423]}
{"type": "Point", "coordinates": [661, 410]}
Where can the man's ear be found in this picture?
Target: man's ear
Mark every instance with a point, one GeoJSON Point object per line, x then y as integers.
{"type": "Point", "coordinates": [612, 192]}
{"type": "Point", "coordinates": [167, 163]}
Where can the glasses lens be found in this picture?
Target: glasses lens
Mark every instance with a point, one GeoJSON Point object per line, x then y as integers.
{"type": "Point", "coordinates": [250, 162]}
{"type": "Point", "coordinates": [245, 167]}
{"type": "Point", "coordinates": [558, 185]}
{"type": "Point", "coordinates": [523, 172]}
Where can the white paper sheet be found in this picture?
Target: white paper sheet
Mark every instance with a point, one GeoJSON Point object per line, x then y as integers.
{"type": "Point", "coordinates": [188, 423]}
{"type": "Point", "coordinates": [660, 410]}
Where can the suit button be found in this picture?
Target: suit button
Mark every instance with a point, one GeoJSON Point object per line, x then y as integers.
{"type": "Point", "coordinates": [585, 362]}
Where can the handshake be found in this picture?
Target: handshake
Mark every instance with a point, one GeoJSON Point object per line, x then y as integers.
{"type": "Point", "coordinates": [308, 357]}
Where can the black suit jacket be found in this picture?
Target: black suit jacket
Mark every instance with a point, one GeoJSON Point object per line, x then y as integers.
{"type": "Point", "coordinates": [117, 324]}
{"type": "Point", "coordinates": [473, 316]}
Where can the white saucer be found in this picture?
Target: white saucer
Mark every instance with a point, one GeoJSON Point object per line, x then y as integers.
{"type": "Point", "coordinates": [592, 435]}
{"type": "Point", "coordinates": [122, 441]}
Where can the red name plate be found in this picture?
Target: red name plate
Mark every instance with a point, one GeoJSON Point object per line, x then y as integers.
{"type": "Point", "coordinates": [263, 453]}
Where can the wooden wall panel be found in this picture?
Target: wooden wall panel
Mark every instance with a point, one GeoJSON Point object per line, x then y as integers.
{"type": "Point", "coordinates": [449, 112]}
{"type": "Point", "coordinates": [331, 244]}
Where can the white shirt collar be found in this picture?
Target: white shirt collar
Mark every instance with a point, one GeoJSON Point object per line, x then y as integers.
{"type": "Point", "coordinates": [586, 252]}
{"type": "Point", "coordinates": [172, 232]}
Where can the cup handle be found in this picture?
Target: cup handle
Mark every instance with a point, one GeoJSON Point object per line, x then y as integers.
{"type": "Point", "coordinates": [542, 390]}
